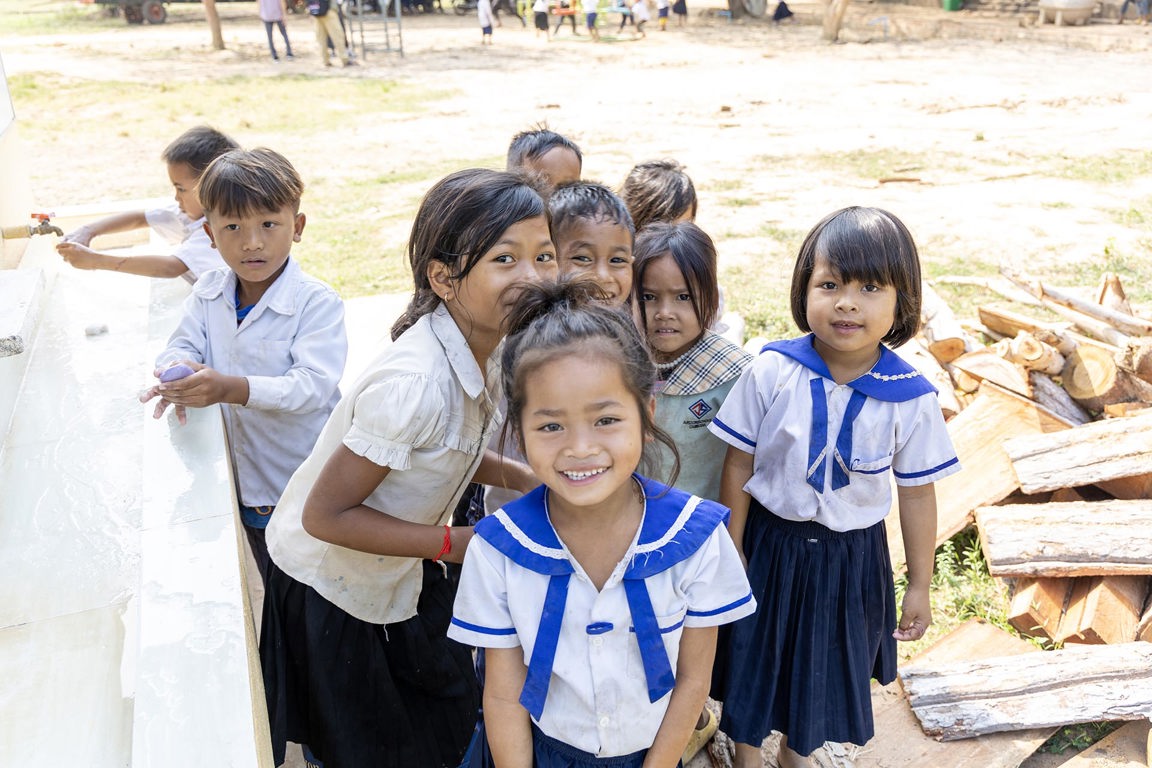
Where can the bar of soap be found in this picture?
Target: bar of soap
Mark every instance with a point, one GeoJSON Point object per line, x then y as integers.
{"type": "Point", "coordinates": [178, 371]}
{"type": "Point", "coordinates": [96, 329]}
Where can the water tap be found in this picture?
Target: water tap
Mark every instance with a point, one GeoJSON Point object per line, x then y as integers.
{"type": "Point", "coordinates": [45, 227]}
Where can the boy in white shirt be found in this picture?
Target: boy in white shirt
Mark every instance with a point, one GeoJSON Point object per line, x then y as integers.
{"type": "Point", "coordinates": [182, 224]}
{"type": "Point", "coordinates": [591, 11]}
{"type": "Point", "coordinates": [261, 337]}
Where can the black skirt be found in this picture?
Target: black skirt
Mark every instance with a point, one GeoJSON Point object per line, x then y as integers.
{"type": "Point", "coordinates": [367, 695]}
{"type": "Point", "coordinates": [802, 664]}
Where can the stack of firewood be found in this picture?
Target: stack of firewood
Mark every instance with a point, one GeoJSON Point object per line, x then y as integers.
{"type": "Point", "coordinates": [1052, 420]}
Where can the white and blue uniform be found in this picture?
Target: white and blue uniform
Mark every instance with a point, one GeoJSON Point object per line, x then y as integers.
{"type": "Point", "coordinates": [824, 459]}
{"type": "Point", "coordinates": [600, 662]}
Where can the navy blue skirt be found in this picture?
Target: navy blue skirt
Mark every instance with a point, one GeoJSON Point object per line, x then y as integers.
{"type": "Point", "coordinates": [365, 695]}
{"type": "Point", "coordinates": [803, 663]}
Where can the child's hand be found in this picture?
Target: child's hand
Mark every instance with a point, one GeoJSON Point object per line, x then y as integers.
{"type": "Point", "coordinates": [205, 386]}
{"type": "Point", "coordinates": [915, 615]}
{"type": "Point", "coordinates": [80, 236]}
{"type": "Point", "coordinates": [79, 255]}
{"type": "Point", "coordinates": [179, 410]}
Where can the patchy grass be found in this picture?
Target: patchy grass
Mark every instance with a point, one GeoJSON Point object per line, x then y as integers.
{"type": "Point", "coordinates": [1114, 168]}
{"type": "Point", "coordinates": [1078, 737]}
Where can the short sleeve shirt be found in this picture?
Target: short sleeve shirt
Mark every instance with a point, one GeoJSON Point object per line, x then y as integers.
{"type": "Point", "coordinates": [829, 452]}
{"type": "Point", "coordinates": [424, 410]}
{"type": "Point", "coordinates": [192, 244]}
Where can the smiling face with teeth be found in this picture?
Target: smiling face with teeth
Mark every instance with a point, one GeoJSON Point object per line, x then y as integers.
{"type": "Point", "coordinates": [582, 432]}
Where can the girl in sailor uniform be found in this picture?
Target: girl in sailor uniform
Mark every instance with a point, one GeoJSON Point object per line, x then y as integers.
{"type": "Point", "coordinates": [596, 596]}
{"type": "Point", "coordinates": [354, 649]}
{"type": "Point", "coordinates": [817, 429]}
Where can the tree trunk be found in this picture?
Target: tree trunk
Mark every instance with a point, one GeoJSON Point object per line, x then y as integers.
{"type": "Point", "coordinates": [1056, 399]}
{"type": "Point", "coordinates": [1128, 325]}
{"type": "Point", "coordinates": [946, 338]}
{"type": "Point", "coordinates": [1093, 378]}
{"type": "Point", "coordinates": [1137, 357]}
{"type": "Point", "coordinates": [1103, 610]}
{"type": "Point", "coordinates": [213, 17]}
{"type": "Point", "coordinates": [1035, 355]}
{"type": "Point", "coordinates": [986, 365]}
{"type": "Point", "coordinates": [1111, 294]}
{"type": "Point", "coordinates": [833, 19]}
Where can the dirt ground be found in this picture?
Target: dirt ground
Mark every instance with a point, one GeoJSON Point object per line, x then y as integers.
{"type": "Point", "coordinates": [994, 149]}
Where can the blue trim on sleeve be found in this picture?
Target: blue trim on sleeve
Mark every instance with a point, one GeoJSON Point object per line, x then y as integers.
{"type": "Point", "coordinates": [935, 469]}
{"type": "Point", "coordinates": [733, 432]}
{"type": "Point", "coordinates": [665, 630]}
{"type": "Point", "coordinates": [723, 608]}
{"type": "Point", "coordinates": [483, 630]}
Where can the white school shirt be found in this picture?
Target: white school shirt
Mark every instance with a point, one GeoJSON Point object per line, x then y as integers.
{"type": "Point", "coordinates": [591, 6]}
{"type": "Point", "coordinates": [885, 424]}
{"type": "Point", "coordinates": [484, 13]}
{"type": "Point", "coordinates": [291, 347]}
{"type": "Point", "coordinates": [640, 11]}
{"type": "Point", "coordinates": [422, 408]}
{"type": "Point", "coordinates": [193, 246]}
{"type": "Point", "coordinates": [595, 682]}
{"type": "Point", "coordinates": [540, 6]}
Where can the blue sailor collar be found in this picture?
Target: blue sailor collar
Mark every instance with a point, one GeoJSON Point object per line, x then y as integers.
{"type": "Point", "coordinates": [890, 379]}
{"type": "Point", "coordinates": [674, 526]}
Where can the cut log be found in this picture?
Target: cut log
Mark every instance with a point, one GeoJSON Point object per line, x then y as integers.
{"type": "Point", "coordinates": [986, 365]}
{"type": "Point", "coordinates": [978, 434]}
{"type": "Point", "coordinates": [1007, 323]}
{"type": "Point", "coordinates": [916, 354]}
{"type": "Point", "coordinates": [1083, 455]}
{"type": "Point", "coordinates": [1055, 298]}
{"type": "Point", "coordinates": [946, 338]}
{"type": "Point", "coordinates": [1035, 355]}
{"type": "Point", "coordinates": [1126, 747]}
{"type": "Point", "coordinates": [1078, 684]}
{"type": "Point", "coordinates": [900, 743]}
{"type": "Point", "coordinates": [1137, 357]}
{"type": "Point", "coordinates": [1111, 294]}
{"type": "Point", "coordinates": [1144, 628]}
{"type": "Point", "coordinates": [1038, 605]}
{"type": "Point", "coordinates": [1092, 377]}
{"type": "Point", "coordinates": [1103, 610]}
{"type": "Point", "coordinates": [1102, 538]}
{"type": "Point", "coordinates": [1056, 399]}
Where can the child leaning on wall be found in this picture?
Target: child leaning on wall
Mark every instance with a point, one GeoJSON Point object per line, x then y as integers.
{"type": "Point", "coordinates": [261, 337]}
{"type": "Point", "coordinates": [181, 223]}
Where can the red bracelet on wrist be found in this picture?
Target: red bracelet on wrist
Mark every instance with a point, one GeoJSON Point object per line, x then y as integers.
{"type": "Point", "coordinates": [446, 547]}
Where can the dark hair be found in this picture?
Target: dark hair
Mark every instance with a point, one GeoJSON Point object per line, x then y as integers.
{"type": "Point", "coordinates": [695, 257]}
{"type": "Point", "coordinates": [535, 142]}
{"type": "Point", "coordinates": [867, 244]}
{"type": "Point", "coordinates": [244, 181]}
{"type": "Point", "coordinates": [198, 147]}
{"type": "Point", "coordinates": [587, 200]}
{"type": "Point", "coordinates": [460, 218]}
{"type": "Point", "coordinates": [658, 190]}
{"type": "Point", "coordinates": [566, 317]}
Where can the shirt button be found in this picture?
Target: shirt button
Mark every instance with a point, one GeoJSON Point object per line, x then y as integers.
{"type": "Point", "coordinates": [597, 641]}
{"type": "Point", "coordinates": [604, 721]}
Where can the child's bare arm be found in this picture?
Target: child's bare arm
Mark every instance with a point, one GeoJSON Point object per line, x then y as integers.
{"type": "Point", "coordinates": [918, 525]}
{"type": "Point", "coordinates": [335, 512]}
{"type": "Point", "coordinates": [507, 722]}
{"type": "Point", "coordinates": [119, 222]}
{"type": "Point", "coordinates": [81, 256]}
{"type": "Point", "coordinates": [693, 677]}
{"type": "Point", "coordinates": [505, 472]}
{"type": "Point", "coordinates": [738, 467]}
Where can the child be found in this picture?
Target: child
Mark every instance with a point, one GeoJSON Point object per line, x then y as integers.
{"type": "Point", "coordinates": [484, 14]}
{"type": "Point", "coordinates": [272, 13]}
{"type": "Point", "coordinates": [329, 31]}
{"type": "Point", "coordinates": [640, 16]}
{"type": "Point", "coordinates": [265, 340]}
{"type": "Point", "coordinates": [181, 224]}
{"type": "Point", "coordinates": [680, 8]}
{"type": "Point", "coordinates": [662, 14]}
{"type": "Point", "coordinates": [818, 427]}
{"type": "Point", "coordinates": [552, 158]}
{"type": "Point", "coordinates": [540, 20]}
{"type": "Point", "coordinates": [593, 234]}
{"type": "Point", "coordinates": [354, 650]}
{"type": "Point", "coordinates": [591, 12]}
{"type": "Point", "coordinates": [675, 289]}
{"type": "Point", "coordinates": [587, 593]}
{"type": "Point", "coordinates": [659, 190]}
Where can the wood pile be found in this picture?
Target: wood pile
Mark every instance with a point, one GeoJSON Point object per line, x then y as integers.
{"type": "Point", "coordinates": [1049, 404]}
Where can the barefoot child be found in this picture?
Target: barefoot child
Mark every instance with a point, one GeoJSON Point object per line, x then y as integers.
{"type": "Point", "coordinates": [596, 597]}
{"type": "Point", "coordinates": [818, 428]}
{"type": "Point", "coordinates": [264, 339]}
{"type": "Point", "coordinates": [356, 660]}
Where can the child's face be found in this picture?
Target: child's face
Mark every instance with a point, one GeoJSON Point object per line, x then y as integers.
{"type": "Point", "coordinates": [600, 250]}
{"type": "Point", "coordinates": [524, 254]}
{"type": "Point", "coordinates": [557, 166]}
{"type": "Point", "coordinates": [848, 318]}
{"type": "Point", "coordinates": [184, 181]}
{"type": "Point", "coordinates": [670, 319]}
{"type": "Point", "coordinates": [255, 246]}
{"type": "Point", "coordinates": [582, 432]}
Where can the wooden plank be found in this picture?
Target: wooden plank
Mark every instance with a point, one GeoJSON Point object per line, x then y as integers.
{"type": "Point", "coordinates": [1078, 684]}
{"type": "Point", "coordinates": [1103, 538]}
{"type": "Point", "coordinates": [1086, 454]}
{"type": "Point", "coordinates": [1144, 628]}
{"type": "Point", "coordinates": [899, 740]}
{"type": "Point", "coordinates": [1126, 747]}
{"type": "Point", "coordinates": [1056, 399]}
{"type": "Point", "coordinates": [1104, 610]}
{"type": "Point", "coordinates": [978, 434]}
{"type": "Point", "coordinates": [985, 365]}
{"type": "Point", "coordinates": [1038, 605]}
